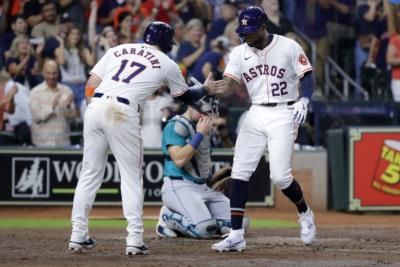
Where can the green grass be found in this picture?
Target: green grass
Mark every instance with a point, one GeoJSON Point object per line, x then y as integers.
{"type": "Point", "coordinates": [117, 223]}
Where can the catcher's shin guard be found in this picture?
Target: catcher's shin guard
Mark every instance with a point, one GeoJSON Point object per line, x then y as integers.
{"type": "Point", "coordinates": [183, 225]}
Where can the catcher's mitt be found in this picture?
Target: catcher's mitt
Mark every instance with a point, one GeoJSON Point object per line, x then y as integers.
{"type": "Point", "coordinates": [220, 180]}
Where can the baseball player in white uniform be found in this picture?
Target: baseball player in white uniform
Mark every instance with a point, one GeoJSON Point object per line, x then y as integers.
{"type": "Point", "coordinates": [279, 80]}
{"type": "Point", "coordinates": [123, 78]}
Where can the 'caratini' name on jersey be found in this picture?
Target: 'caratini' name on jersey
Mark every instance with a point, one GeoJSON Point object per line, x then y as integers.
{"type": "Point", "coordinates": [263, 69]}
{"type": "Point", "coordinates": [146, 54]}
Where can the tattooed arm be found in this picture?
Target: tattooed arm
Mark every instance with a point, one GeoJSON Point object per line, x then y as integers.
{"type": "Point", "coordinates": [231, 86]}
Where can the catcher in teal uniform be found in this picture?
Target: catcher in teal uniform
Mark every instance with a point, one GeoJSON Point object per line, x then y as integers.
{"type": "Point", "coordinates": [191, 207]}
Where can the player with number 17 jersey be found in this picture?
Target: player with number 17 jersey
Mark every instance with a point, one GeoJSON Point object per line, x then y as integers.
{"type": "Point", "coordinates": [271, 75]}
{"type": "Point", "coordinates": [139, 66]}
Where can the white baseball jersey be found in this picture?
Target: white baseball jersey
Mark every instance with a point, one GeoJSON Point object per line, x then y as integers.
{"type": "Point", "coordinates": [133, 72]}
{"type": "Point", "coordinates": [271, 75]}
{"type": "Point", "coordinates": [136, 71]}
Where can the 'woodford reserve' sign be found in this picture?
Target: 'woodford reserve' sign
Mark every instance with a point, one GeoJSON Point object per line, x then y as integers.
{"type": "Point", "coordinates": [49, 177]}
{"type": "Point", "coordinates": [374, 168]}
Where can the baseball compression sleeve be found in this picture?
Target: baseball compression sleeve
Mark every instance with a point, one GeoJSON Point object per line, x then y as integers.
{"type": "Point", "coordinates": [193, 94]}
{"type": "Point", "coordinates": [307, 84]}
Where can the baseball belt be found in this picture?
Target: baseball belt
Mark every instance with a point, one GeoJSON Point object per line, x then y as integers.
{"type": "Point", "coordinates": [276, 104]}
{"type": "Point", "coordinates": [119, 99]}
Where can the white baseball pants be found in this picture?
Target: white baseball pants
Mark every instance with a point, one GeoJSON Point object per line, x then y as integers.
{"type": "Point", "coordinates": [109, 124]}
{"type": "Point", "coordinates": [197, 202]}
{"type": "Point", "coordinates": [272, 126]}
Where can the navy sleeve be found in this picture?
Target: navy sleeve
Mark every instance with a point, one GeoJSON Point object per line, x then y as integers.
{"type": "Point", "coordinates": [307, 84]}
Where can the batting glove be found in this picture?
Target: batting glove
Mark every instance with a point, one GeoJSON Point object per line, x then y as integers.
{"type": "Point", "coordinates": [196, 83]}
{"type": "Point", "coordinates": [300, 110]}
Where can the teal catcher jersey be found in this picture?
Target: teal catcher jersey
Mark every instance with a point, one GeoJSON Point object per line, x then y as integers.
{"type": "Point", "coordinates": [179, 131]}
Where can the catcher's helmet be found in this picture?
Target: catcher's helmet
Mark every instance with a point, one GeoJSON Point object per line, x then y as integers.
{"type": "Point", "coordinates": [250, 19]}
{"type": "Point", "coordinates": [160, 34]}
{"type": "Point", "coordinates": [206, 105]}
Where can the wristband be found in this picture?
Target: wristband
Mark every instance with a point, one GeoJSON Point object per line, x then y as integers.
{"type": "Point", "coordinates": [305, 100]}
{"type": "Point", "coordinates": [89, 90]}
{"type": "Point", "coordinates": [196, 140]}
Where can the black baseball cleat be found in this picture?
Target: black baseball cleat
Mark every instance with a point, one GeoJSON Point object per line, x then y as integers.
{"type": "Point", "coordinates": [77, 247]}
{"type": "Point", "coordinates": [134, 250]}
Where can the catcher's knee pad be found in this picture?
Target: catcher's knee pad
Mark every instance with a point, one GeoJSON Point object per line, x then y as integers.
{"type": "Point", "coordinates": [282, 183]}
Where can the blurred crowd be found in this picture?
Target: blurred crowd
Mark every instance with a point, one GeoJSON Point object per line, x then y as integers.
{"type": "Point", "coordinates": [48, 47]}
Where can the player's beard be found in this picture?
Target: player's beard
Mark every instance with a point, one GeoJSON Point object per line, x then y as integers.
{"type": "Point", "coordinates": [258, 43]}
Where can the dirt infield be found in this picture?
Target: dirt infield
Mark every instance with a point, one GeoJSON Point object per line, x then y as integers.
{"type": "Point", "coordinates": [343, 240]}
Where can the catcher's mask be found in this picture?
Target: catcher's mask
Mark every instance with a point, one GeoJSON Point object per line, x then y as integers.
{"type": "Point", "coordinates": [206, 105]}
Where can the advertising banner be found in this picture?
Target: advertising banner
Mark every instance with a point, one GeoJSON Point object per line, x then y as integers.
{"type": "Point", "coordinates": [49, 177]}
{"type": "Point", "coordinates": [374, 168]}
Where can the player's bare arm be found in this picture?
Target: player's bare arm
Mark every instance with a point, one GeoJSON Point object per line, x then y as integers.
{"type": "Point", "coordinates": [181, 155]}
{"type": "Point", "coordinates": [214, 87]}
{"type": "Point", "coordinates": [91, 85]}
{"type": "Point", "coordinates": [231, 86]}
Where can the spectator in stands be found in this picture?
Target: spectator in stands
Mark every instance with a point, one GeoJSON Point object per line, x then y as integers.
{"type": "Point", "coordinates": [230, 33]}
{"type": "Point", "coordinates": [105, 12]}
{"type": "Point", "coordinates": [22, 64]}
{"type": "Point", "coordinates": [341, 23]}
{"type": "Point", "coordinates": [6, 98]}
{"type": "Point", "coordinates": [53, 42]}
{"type": "Point", "coordinates": [124, 30]}
{"type": "Point", "coordinates": [212, 61]}
{"type": "Point", "coordinates": [51, 105]}
{"type": "Point", "coordinates": [6, 105]}
{"type": "Point", "coordinates": [276, 23]}
{"type": "Point", "coordinates": [137, 11]}
{"type": "Point", "coordinates": [140, 32]}
{"type": "Point", "coordinates": [393, 53]}
{"type": "Point", "coordinates": [162, 10]}
{"type": "Point", "coordinates": [4, 9]}
{"type": "Point", "coordinates": [103, 41]}
{"type": "Point", "coordinates": [188, 9]}
{"type": "Point", "coordinates": [194, 46]}
{"type": "Point", "coordinates": [375, 74]}
{"type": "Point", "coordinates": [155, 110]}
{"type": "Point", "coordinates": [315, 28]}
{"type": "Point", "coordinates": [74, 57]}
{"type": "Point", "coordinates": [295, 10]}
{"type": "Point", "coordinates": [216, 8]}
{"type": "Point", "coordinates": [75, 11]}
{"type": "Point", "coordinates": [19, 27]}
{"type": "Point", "coordinates": [49, 25]}
{"type": "Point", "coordinates": [179, 28]}
{"type": "Point", "coordinates": [21, 118]}
{"type": "Point", "coordinates": [279, 24]}
{"type": "Point", "coordinates": [365, 24]}
{"type": "Point", "coordinates": [32, 11]}
{"type": "Point", "coordinates": [229, 12]}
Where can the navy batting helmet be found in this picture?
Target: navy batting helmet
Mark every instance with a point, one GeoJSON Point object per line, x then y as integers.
{"type": "Point", "coordinates": [251, 19]}
{"type": "Point", "coordinates": [206, 105]}
{"type": "Point", "coordinates": [160, 34]}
